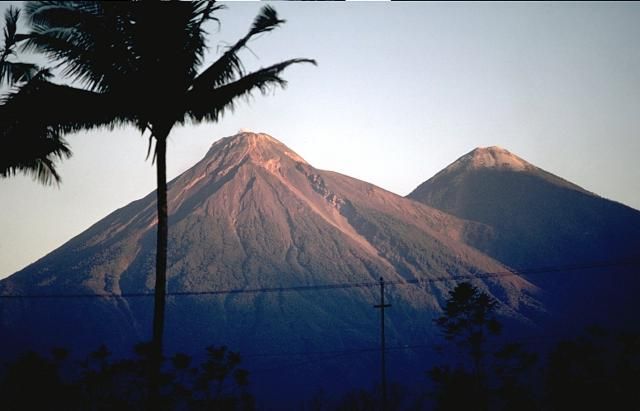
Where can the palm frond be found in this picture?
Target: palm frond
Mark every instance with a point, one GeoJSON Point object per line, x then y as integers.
{"type": "Point", "coordinates": [11, 16]}
{"type": "Point", "coordinates": [34, 117]}
{"type": "Point", "coordinates": [62, 45]}
{"type": "Point", "coordinates": [60, 13]}
{"type": "Point", "coordinates": [12, 72]}
{"type": "Point", "coordinates": [88, 39]}
{"type": "Point", "coordinates": [15, 72]}
{"type": "Point", "coordinates": [229, 66]}
{"type": "Point", "coordinates": [35, 155]}
{"type": "Point", "coordinates": [60, 108]}
{"type": "Point", "coordinates": [196, 44]}
{"type": "Point", "coordinates": [205, 104]}
{"type": "Point", "coordinates": [122, 45]}
{"type": "Point", "coordinates": [266, 20]}
{"type": "Point", "coordinates": [204, 9]}
{"type": "Point", "coordinates": [175, 26]}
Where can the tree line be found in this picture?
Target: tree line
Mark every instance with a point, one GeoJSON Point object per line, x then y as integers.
{"type": "Point", "coordinates": [595, 371]}
{"type": "Point", "coordinates": [100, 382]}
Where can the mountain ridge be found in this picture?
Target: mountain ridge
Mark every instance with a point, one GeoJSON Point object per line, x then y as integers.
{"type": "Point", "coordinates": [492, 158]}
{"type": "Point", "coordinates": [253, 214]}
{"type": "Point", "coordinates": [536, 219]}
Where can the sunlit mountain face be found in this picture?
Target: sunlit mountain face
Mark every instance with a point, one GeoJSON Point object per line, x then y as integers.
{"type": "Point", "coordinates": [252, 216]}
{"type": "Point", "coordinates": [277, 259]}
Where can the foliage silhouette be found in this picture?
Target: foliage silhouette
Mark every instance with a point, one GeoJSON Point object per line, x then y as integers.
{"type": "Point", "coordinates": [12, 72]}
{"type": "Point", "coordinates": [360, 399]}
{"type": "Point", "coordinates": [99, 382]}
{"type": "Point", "coordinates": [136, 63]}
{"type": "Point", "coordinates": [469, 319]}
{"type": "Point", "coordinates": [597, 371]}
{"type": "Point", "coordinates": [457, 389]}
{"type": "Point", "coordinates": [33, 382]}
{"type": "Point", "coordinates": [514, 372]}
{"type": "Point", "coordinates": [33, 153]}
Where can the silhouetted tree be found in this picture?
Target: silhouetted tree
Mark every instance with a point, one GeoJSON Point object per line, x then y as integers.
{"type": "Point", "coordinates": [139, 63]}
{"type": "Point", "coordinates": [513, 367]}
{"type": "Point", "coordinates": [34, 154]}
{"type": "Point", "coordinates": [359, 400]}
{"type": "Point", "coordinates": [467, 321]}
{"type": "Point", "coordinates": [98, 382]}
{"type": "Point", "coordinates": [400, 398]}
{"type": "Point", "coordinates": [597, 371]}
{"type": "Point", "coordinates": [34, 382]}
{"type": "Point", "coordinates": [457, 389]}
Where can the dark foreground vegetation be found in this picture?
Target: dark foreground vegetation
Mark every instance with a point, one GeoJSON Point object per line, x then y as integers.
{"type": "Point", "coordinates": [598, 370]}
{"type": "Point", "coordinates": [99, 382]}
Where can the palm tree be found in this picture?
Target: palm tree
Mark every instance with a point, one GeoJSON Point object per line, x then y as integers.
{"type": "Point", "coordinates": [135, 64]}
{"type": "Point", "coordinates": [34, 153]}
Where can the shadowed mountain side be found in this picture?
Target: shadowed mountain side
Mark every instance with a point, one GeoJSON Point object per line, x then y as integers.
{"type": "Point", "coordinates": [535, 219]}
{"type": "Point", "coordinates": [252, 214]}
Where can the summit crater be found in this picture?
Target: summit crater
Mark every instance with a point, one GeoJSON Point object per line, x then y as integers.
{"type": "Point", "coordinates": [495, 157]}
{"type": "Point", "coordinates": [259, 148]}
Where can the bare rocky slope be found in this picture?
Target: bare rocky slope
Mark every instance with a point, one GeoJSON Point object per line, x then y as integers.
{"type": "Point", "coordinates": [533, 219]}
{"type": "Point", "coordinates": [252, 215]}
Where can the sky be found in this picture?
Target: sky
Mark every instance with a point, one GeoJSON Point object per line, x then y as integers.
{"type": "Point", "coordinates": [401, 90]}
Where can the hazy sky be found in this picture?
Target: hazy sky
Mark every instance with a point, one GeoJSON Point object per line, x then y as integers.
{"type": "Point", "coordinates": [401, 91]}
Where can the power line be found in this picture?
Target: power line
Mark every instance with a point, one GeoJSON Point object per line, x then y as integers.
{"type": "Point", "coordinates": [321, 287]}
{"type": "Point", "coordinates": [355, 351]}
{"type": "Point", "coordinates": [319, 356]}
{"type": "Point", "coordinates": [531, 340]}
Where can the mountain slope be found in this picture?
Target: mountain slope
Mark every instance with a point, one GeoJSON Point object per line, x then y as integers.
{"type": "Point", "coordinates": [252, 215]}
{"type": "Point", "coordinates": [535, 219]}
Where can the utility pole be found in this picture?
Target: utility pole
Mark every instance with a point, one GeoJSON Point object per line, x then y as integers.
{"type": "Point", "coordinates": [383, 368]}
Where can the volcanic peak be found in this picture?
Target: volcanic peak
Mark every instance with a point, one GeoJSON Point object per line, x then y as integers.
{"type": "Point", "coordinates": [258, 148]}
{"type": "Point", "coordinates": [490, 157]}
{"type": "Point", "coordinates": [497, 157]}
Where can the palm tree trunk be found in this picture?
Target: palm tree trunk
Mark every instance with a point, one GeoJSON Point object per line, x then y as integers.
{"type": "Point", "coordinates": [161, 244]}
{"type": "Point", "coordinates": [161, 267]}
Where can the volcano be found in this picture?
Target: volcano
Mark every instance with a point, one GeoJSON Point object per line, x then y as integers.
{"type": "Point", "coordinates": [267, 254]}
{"type": "Point", "coordinates": [582, 249]}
